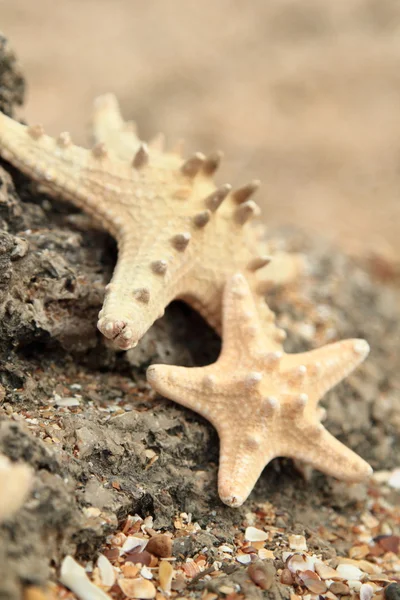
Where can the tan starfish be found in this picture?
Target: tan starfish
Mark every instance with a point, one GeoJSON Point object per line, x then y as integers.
{"type": "Point", "coordinates": [264, 402]}
{"type": "Point", "coordinates": [179, 236]}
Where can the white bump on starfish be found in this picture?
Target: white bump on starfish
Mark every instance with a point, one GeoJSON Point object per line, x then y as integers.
{"type": "Point", "coordinates": [280, 335]}
{"type": "Point", "coordinates": [297, 375]}
{"type": "Point", "coordinates": [272, 401]}
{"type": "Point", "coordinates": [127, 334]}
{"type": "Point", "coordinates": [252, 379]}
{"type": "Point", "coordinates": [209, 382]}
{"type": "Point", "coordinates": [272, 360]}
{"type": "Point", "coordinates": [257, 415]}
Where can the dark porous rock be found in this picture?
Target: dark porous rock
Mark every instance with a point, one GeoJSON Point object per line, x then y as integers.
{"type": "Point", "coordinates": [12, 84]}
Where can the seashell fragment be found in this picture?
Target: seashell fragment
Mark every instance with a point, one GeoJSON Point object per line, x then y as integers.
{"type": "Point", "coordinates": [252, 534]}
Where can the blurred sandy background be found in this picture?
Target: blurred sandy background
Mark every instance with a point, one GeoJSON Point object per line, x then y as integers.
{"type": "Point", "coordinates": [304, 94]}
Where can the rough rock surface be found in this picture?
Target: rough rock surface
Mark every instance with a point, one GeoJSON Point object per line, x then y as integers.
{"type": "Point", "coordinates": [53, 269]}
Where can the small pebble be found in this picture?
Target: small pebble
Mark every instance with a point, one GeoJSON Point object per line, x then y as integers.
{"type": "Point", "coordinates": [160, 545]}
{"type": "Point", "coordinates": [286, 577]}
{"type": "Point", "coordinates": [262, 574]}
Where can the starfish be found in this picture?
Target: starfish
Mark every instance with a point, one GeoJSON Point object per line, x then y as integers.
{"type": "Point", "coordinates": [262, 401]}
{"type": "Point", "coordinates": [179, 236]}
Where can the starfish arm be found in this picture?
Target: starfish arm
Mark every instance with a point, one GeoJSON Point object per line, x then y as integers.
{"type": "Point", "coordinates": [321, 450]}
{"type": "Point", "coordinates": [142, 285]}
{"type": "Point", "coordinates": [88, 179]}
{"type": "Point", "coordinates": [190, 387]}
{"type": "Point", "coordinates": [109, 128]}
{"type": "Point", "coordinates": [242, 460]}
{"type": "Point", "coordinates": [321, 369]}
{"type": "Point", "coordinates": [243, 332]}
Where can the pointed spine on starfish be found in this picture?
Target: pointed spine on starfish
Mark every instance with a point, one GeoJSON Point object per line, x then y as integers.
{"type": "Point", "coordinates": [297, 375]}
{"type": "Point", "coordinates": [212, 162]}
{"type": "Point", "coordinates": [243, 194]}
{"type": "Point", "coordinates": [64, 139]}
{"type": "Point", "coordinates": [35, 131]}
{"type": "Point", "coordinates": [141, 157]}
{"type": "Point", "coordinates": [272, 402]}
{"type": "Point", "coordinates": [209, 382]}
{"type": "Point", "coordinates": [215, 199]}
{"type": "Point", "coordinates": [297, 405]}
{"type": "Point", "coordinates": [247, 210]}
{"type": "Point", "coordinates": [159, 267]}
{"type": "Point", "coordinates": [273, 360]}
{"type": "Point", "coordinates": [99, 150]}
{"type": "Point", "coordinates": [252, 379]}
{"type": "Point", "coordinates": [259, 263]}
{"type": "Point", "coordinates": [192, 166]}
{"type": "Point", "coordinates": [180, 241]}
{"type": "Point", "coordinates": [202, 218]}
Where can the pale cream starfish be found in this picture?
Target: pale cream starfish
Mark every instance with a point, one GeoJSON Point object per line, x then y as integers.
{"type": "Point", "coordinates": [179, 236]}
{"type": "Point", "coordinates": [264, 402]}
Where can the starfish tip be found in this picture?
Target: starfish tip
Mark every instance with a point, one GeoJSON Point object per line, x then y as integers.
{"type": "Point", "coordinates": [231, 499]}
{"type": "Point", "coordinates": [156, 375]}
{"type": "Point", "coordinates": [105, 101]}
{"type": "Point", "coordinates": [361, 347]}
{"type": "Point", "coordinates": [151, 373]}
